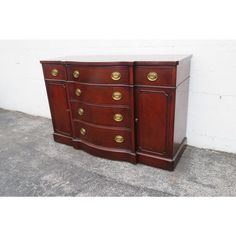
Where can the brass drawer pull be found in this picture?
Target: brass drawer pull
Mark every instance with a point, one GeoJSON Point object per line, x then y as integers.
{"type": "Point", "coordinates": [80, 111]}
{"type": "Point", "coordinates": [117, 96]}
{"type": "Point", "coordinates": [116, 75]}
{"type": "Point", "coordinates": [83, 131]}
{"type": "Point", "coordinates": [54, 72]}
{"type": "Point", "coordinates": [119, 139]}
{"type": "Point", "coordinates": [76, 74]}
{"type": "Point", "coordinates": [152, 76]}
{"type": "Point", "coordinates": [118, 117]}
{"type": "Point", "coordinates": [78, 92]}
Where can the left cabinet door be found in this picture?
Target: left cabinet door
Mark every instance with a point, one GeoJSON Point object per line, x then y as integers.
{"type": "Point", "coordinates": [60, 112]}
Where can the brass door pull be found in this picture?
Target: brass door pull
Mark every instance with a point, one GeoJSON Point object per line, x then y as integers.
{"type": "Point", "coordinates": [118, 117]}
{"type": "Point", "coordinates": [78, 92]}
{"type": "Point", "coordinates": [76, 74]}
{"type": "Point", "coordinates": [116, 75]}
{"type": "Point", "coordinates": [152, 76]}
{"type": "Point", "coordinates": [119, 139]}
{"type": "Point", "coordinates": [80, 111]}
{"type": "Point", "coordinates": [54, 72]}
{"type": "Point", "coordinates": [83, 131]}
{"type": "Point", "coordinates": [117, 96]}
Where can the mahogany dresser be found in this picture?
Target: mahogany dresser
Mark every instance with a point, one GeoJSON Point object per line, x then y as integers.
{"type": "Point", "coordinates": [128, 108]}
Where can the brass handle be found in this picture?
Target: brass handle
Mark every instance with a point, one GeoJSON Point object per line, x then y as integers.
{"type": "Point", "coordinates": [119, 139]}
{"type": "Point", "coordinates": [76, 74]}
{"type": "Point", "coordinates": [136, 119]}
{"type": "Point", "coordinates": [152, 76]}
{"type": "Point", "coordinates": [118, 117]}
{"type": "Point", "coordinates": [83, 131]}
{"type": "Point", "coordinates": [81, 111]}
{"type": "Point", "coordinates": [54, 72]}
{"type": "Point", "coordinates": [115, 75]}
{"type": "Point", "coordinates": [117, 96]}
{"type": "Point", "coordinates": [78, 92]}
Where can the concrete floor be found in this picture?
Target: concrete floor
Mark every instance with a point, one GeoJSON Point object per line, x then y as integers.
{"type": "Point", "coordinates": [32, 164]}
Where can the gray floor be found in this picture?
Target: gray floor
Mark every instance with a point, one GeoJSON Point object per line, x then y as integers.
{"type": "Point", "coordinates": [32, 164]}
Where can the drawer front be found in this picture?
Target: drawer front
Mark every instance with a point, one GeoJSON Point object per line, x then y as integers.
{"type": "Point", "coordinates": [111, 138]}
{"type": "Point", "coordinates": [99, 94]}
{"type": "Point", "coordinates": [99, 74]}
{"type": "Point", "coordinates": [54, 72]}
{"type": "Point", "coordinates": [155, 76]}
{"type": "Point", "coordinates": [108, 116]}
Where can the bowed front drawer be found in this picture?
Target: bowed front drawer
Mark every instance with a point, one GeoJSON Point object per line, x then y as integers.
{"type": "Point", "coordinates": [99, 74]}
{"type": "Point", "coordinates": [103, 136]}
{"type": "Point", "coordinates": [102, 95]}
{"type": "Point", "coordinates": [101, 115]}
{"type": "Point", "coordinates": [126, 108]}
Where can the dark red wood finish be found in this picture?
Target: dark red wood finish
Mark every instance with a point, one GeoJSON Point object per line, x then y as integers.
{"type": "Point", "coordinates": [104, 152]}
{"type": "Point", "coordinates": [181, 108]}
{"type": "Point", "coordinates": [59, 108]}
{"type": "Point", "coordinates": [103, 136]}
{"type": "Point", "coordinates": [154, 112]}
{"type": "Point", "coordinates": [98, 74]}
{"type": "Point", "coordinates": [153, 125]}
{"type": "Point", "coordinates": [101, 115]}
{"type": "Point", "coordinates": [166, 75]}
{"type": "Point", "coordinates": [47, 69]}
{"type": "Point", "coordinates": [99, 94]}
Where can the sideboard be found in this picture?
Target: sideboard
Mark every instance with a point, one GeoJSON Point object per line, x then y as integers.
{"type": "Point", "coordinates": [127, 108]}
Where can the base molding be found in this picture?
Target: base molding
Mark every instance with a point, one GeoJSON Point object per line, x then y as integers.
{"type": "Point", "coordinates": [160, 162]}
{"type": "Point", "coordinates": [124, 155]}
{"type": "Point", "coordinates": [60, 138]}
{"type": "Point", "coordinates": [107, 153]}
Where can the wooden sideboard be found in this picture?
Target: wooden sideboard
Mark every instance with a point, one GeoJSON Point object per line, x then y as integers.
{"type": "Point", "coordinates": [128, 108]}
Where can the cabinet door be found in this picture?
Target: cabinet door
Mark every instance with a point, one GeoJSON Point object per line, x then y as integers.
{"type": "Point", "coordinates": [153, 126]}
{"type": "Point", "coordinates": [59, 108]}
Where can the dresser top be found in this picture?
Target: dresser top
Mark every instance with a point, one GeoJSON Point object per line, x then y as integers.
{"type": "Point", "coordinates": [122, 59]}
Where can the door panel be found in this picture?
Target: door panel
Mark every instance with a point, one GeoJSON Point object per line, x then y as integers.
{"type": "Point", "coordinates": [152, 128]}
{"type": "Point", "coordinates": [59, 108]}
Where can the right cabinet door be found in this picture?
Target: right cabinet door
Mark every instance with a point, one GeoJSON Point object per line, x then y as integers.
{"type": "Point", "coordinates": [153, 127]}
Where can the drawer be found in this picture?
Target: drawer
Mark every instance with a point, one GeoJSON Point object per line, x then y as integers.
{"type": "Point", "coordinates": [99, 74]}
{"type": "Point", "coordinates": [111, 138]}
{"type": "Point", "coordinates": [99, 94]}
{"type": "Point", "coordinates": [108, 116]}
{"type": "Point", "coordinates": [155, 75]}
{"type": "Point", "coordinates": [56, 72]}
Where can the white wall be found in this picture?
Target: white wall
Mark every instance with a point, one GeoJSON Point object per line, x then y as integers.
{"type": "Point", "coordinates": [212, 101]}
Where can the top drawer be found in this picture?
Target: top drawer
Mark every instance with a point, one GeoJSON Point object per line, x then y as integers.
{"type": "Point", "coordinates": [52, 71]}
{"type": "Point", "coordinates": [155, 75]}
{"type": "Point", "coordinates": [99, 74]}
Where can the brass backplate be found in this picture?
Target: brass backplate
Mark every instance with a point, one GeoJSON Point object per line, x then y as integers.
{"type": "Point", "coordinates": [118, 117]}
{"type": "Point", "coordinates": [117, 96]}
{"type": "Point", "coordinates": [152, 76]}
{"type": "Point", "coordinates": [54, 72]}
{"type": "Point", "coordinates": [80, 111]}
{"type": "Point", "coordinates": [83, 131]}
{"type": "Point", "coordinates": [116, 75]}
{"type": "Point", "coordinates": [78, 92]}
{"type": "Point", "coordinates": [119, 139]}
{"type": "Point", "coordinates": [76, 74]}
